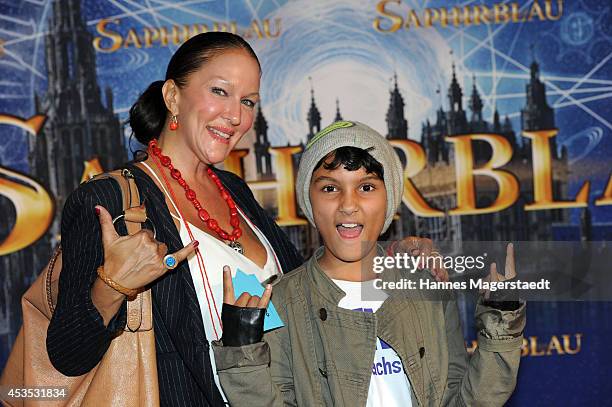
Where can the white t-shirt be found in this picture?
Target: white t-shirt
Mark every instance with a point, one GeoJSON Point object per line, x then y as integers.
{"type": "Point", "coordinates": [389, 386]}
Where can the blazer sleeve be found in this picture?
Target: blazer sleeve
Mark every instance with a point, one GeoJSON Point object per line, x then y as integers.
{"type": "Point", "coordinates": [77, 338]}
{"type": "Point", "coordinates": [488, 377]}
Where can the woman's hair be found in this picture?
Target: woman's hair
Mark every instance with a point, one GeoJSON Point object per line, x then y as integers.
{"type": "Point", "coordinates": [148, 114]}
{"type": "Point", "coordinates": [352, 159]}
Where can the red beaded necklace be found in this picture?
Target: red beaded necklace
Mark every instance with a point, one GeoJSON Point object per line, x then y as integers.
{"type": "Point", "coordinates": [203, 214]}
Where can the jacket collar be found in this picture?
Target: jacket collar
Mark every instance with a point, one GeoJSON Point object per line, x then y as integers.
{"type": "Point", "coordinates": [323, 284]}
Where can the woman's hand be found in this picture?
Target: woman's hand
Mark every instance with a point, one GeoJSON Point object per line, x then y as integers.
{"type": "Point", "coordinates": [131, 261]}
{"type": "Point", "coordinates": [242, 319]}
{"type": "Point", "coordinates": [134, 261]}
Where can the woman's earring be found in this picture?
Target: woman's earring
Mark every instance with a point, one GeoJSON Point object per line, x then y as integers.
{"type": "Point", "coordinates": [173, 123]}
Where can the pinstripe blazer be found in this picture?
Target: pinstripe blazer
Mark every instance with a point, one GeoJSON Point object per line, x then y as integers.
{"type": "Point", "coordinates": [77, 338]}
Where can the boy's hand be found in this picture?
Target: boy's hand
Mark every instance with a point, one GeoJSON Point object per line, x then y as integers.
{"type": "Point", "coordinates": [509, 272]}
{"type": "Point", "coordinates": [242, 319]}
{"type": "Point", "coordinates": [416, 246]}
{"type": "Point", "coordinates": [245, 300]}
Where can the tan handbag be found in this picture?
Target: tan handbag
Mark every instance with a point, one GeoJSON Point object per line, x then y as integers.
{"type": "Point", "coordinates": [126, 375]}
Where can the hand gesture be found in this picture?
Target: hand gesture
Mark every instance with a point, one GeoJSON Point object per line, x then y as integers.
{"type": "Point", "coordinates": [415, 246]}
{"type": "Point", "coordinates": [245, 300]}
{"type": "Point", "coordinates": [242, 319]}
{"type": "Point", "coordinates": [509, 272]}
{"type": "Point", "coordinates": [134, 261]}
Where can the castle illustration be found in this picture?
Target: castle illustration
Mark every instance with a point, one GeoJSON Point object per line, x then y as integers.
{"type": "Point", "coordinates": [80, 127]}
{"type": "Point", "coordinates": [437, 181]}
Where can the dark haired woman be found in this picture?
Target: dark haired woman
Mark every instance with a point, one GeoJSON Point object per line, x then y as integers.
{"type": "Point", "coordinates": [202, 215]}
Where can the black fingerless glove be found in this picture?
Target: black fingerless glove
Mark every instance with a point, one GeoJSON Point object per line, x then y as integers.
{"type": "Point", "coordinates": [504, 300]}
{"type": "Point", "coordinates": [242, 325]}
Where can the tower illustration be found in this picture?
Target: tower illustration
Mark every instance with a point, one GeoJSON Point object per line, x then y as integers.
{"type": "Point", "coordinates": [313, 117]}
{"type": "Point", "coordinates": [397, 124]}
{"type": "Point", "coordinates": [79, 125]}
{"type": "Point", "coordinates": [263, 158]}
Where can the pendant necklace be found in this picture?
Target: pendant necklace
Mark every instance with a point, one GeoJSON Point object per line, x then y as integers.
{"type": "Point", "coordinates": [231, 239]}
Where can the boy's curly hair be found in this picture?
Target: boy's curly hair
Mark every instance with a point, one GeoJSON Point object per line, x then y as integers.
{"type": "Point", "coordinates": [352, 159]}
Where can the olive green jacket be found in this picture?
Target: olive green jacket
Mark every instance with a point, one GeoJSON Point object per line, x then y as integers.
{"type": "Point", "coordinates": [323, 355]}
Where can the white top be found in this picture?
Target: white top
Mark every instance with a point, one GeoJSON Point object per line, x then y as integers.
{"type": "Point", "coordinates": [389, 386]}
{"type": "Point", "coordinates": [208, 281]}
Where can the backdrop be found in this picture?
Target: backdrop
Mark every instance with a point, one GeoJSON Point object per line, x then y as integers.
{"type": "Point", "coordinates": [467, 91]}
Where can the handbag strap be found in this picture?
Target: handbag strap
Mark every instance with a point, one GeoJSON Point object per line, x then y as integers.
{"type": "Point", "coordinates": [139, 316]}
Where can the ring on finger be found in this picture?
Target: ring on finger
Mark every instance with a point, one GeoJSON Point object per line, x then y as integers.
{"type": "Point", "coordinates": [170, 262]}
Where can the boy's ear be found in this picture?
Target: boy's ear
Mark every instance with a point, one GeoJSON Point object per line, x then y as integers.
{"type": "Point", "coordinates": [171, 95]}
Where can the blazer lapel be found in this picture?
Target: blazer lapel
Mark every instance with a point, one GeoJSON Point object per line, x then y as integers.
{"type": "Point", "coordinates": [174, 293]}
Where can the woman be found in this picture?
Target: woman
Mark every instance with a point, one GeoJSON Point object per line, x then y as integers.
{"type": "Point", "coordinates": [190, 122]}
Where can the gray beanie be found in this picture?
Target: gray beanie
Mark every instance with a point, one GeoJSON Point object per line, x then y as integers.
{"type": "Point", "coordinates": [351, 134]}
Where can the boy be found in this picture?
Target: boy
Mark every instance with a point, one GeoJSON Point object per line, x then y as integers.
{"type": "Point", "coordinates": [400, 351]}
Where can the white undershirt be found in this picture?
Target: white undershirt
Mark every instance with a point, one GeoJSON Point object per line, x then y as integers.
{"type": "Point", "coordinates": [215, 255]}
{"type": "Point", "coordinates": [389, 386]}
